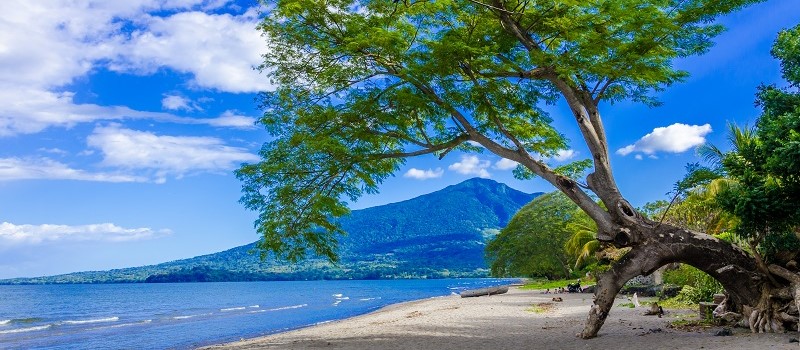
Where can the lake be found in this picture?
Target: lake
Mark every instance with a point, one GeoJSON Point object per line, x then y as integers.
{"type": "Point", "coordinates": [187, 315]}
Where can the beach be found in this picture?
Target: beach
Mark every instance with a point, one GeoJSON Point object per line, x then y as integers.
{"type": "Point", "coordinates": [519, 319]}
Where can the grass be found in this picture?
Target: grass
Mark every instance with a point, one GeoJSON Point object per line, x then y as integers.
{"type": "Point", "coordinates": [677, 303]}
{"type": "Point", "coordinates": [540, 308]}
{"type": "Point", "coordinates": [548, 284]}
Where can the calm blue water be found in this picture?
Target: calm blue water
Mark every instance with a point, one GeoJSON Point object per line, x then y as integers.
{"type": "Point", "coordinates": [185, 315]}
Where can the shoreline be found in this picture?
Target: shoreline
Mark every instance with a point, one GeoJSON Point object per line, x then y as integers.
{"type": "Point", "coordinates": [518, 319]}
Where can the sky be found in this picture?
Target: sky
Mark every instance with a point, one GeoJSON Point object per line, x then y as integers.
{"type": "Point", "coordinates": [121, 123]}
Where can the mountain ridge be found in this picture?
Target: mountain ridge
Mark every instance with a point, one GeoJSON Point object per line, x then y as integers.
{"type": "Point", "coordinates": [439, 234]}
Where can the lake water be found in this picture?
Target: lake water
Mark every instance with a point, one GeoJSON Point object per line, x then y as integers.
{"type": "Point", "coordinates": [186, 315]}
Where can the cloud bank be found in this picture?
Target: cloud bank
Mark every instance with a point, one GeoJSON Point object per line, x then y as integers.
{"type": "Point", "coordinates": [164, 155]}
{"type": "Point", "coordinates": [47, 233]}
{"type": "Point", "coordinates": [45, 46]}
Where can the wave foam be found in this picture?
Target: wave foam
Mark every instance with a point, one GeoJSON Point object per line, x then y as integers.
{"type": "Point", "coordinates": [288, 307]}
{"type": "Point", "coordinates": [96, 320]}
{"type": "Point", "coordinates": [123, 325]}
{"type": "Point", "coordinates": [29, 329]}
{"type": "Point", "coordinates": [4, 322]}
{"type": "Point", "coordinates": [233, 308]}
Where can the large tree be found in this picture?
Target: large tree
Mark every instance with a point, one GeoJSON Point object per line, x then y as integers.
{"type": "Point", "coordinates": [363, 85]}
{"type": "Point", "coordinates": [532, 244]}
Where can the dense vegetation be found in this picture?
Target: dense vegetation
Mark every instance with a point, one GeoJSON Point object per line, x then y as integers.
{"type": "Point", "coordinates": [360, 87]}
{"type": "Point", "coordinates": [438, 235]}
{"type": "Point", "coordinates": [748, 196]}
{"type": "Point", "coordinates": [534, 242]}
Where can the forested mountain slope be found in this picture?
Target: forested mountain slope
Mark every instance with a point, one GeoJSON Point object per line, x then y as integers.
{"type": "Point", "coordinates": [440, 234]}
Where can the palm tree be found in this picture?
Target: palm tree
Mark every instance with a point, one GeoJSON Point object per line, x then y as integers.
{"type": "Point", "coordinates": [583, 243]}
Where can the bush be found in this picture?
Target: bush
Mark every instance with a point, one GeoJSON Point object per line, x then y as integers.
{"type": "Point", "coordinates": [697, 285]}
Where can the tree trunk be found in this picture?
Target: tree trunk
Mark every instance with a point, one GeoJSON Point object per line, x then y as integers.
{"type": "Point", "coordinates": [655, 245]}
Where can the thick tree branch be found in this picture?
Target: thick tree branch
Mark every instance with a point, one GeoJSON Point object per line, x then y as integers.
{"type": "Point", "coordinates": [515, 28]}
{"type": "Point", "coordinates": [598, 94]}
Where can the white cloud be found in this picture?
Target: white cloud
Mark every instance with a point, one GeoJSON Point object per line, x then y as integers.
{"type": "Point", "coordinates": [35, 110]}
{"type": "Point", "coordinates": [45, 46]}
{"type": "Point", "coordinates": [46, 169]}
{"type": "Point", "coordinates": [471, 165]}
{"type": "Point", "coordinates": [419, 174]}
{"type": "Point", "coordinates": [232, 120]}
{"type": "Point", "coordinates": [50, 43]}
{"type": "Point", "coordinates": [675, 138]}
{"type": "Point", "coordinates": [56, 151]}
{"type": "Point", "coordinates": [505, 164]}
{"type": "Point", "coordinates": [177, 102]}
{"type": "Point", "coordinates": [565, 155]}
{"type": "Point", "coordinates": [107, 232]}
{"type": "Point", "coordinates": [219, 50]}
{"type": "Point", "coordinates": [163, 156]}
{"type": "Point", "coordinates": [27, 111]}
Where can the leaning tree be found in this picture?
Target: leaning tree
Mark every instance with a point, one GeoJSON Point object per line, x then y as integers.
{"type": "Point", "coordinates": [364, 85]}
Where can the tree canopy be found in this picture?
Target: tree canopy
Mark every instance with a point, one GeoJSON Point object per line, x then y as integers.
{"type": "Point", "coordinates": [533, 242]}
{"type": "Point", "coordinates": [763, 165]}
{"type": "Point", "coordinates": [363, 85]}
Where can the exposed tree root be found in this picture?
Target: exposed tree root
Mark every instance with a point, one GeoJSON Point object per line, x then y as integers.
{"type": "Point", "coordinates": [752, 300]}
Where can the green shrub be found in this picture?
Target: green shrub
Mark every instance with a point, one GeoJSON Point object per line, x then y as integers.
{"type": "Point", "coordinates": [697, 285]}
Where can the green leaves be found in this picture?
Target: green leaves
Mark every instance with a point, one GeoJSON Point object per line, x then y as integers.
{"type": "Point", "coordinates": [362, 85]}
{"type": "Point", "coordinates": [546, 238]}
{"type": "Point", "coordinates": [763, 163]}
{"type": "Point", "coordinates": [787, 49]}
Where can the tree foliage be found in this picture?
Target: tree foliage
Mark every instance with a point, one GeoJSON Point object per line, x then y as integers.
{"type": "Point", "coordinates": [363, 85]}
{"type": "Point", "coordinates": [533, 242]}
{"type": "Point", "coordinates": [763, 165]}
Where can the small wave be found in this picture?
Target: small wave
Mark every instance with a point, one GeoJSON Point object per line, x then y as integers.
{"type": "Point", "coordinates": [257, 311]}
{"type": "Point", "coordinates": [183, 317]}
{"type": "Point", "coordinates": [368, 299]}
{"type": "Point", "coordinates": [343, 298]}
{"type": "Point", "coordinates": [233, 308]}
{"type": "Point", "coordinates": [337, 295]}
{"type": "Point", "coordinates": [24, 320]}
{"type": "Point", "coordinates": [123, 325]}
{"type": "Point", "coordinates": [29, 329]}
{"type": "Point", "coordinates": [254, 306]}
{"type": "Point", "coordinates": [4, 322]}
{"type": "Point", "coordinates": [288, 307]}
{"type": "Point", "coordinates": [336, 303]}
{"type": "Point", "coordinates": [96, 320]}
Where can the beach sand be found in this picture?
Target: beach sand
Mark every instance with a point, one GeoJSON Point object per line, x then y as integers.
{"type": "Point", "coordinates": [520, 319]}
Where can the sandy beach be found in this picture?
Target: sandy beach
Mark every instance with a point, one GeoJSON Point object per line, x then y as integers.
{"type": "Point", "coordinates": [520, 319]}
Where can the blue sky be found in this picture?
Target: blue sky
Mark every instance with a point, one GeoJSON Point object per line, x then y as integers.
{"type": "Point", "coordinates": [121, 123]}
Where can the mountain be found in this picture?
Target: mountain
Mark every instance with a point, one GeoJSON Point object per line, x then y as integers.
{"type": "Point", "coordinates": [440, 234]}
